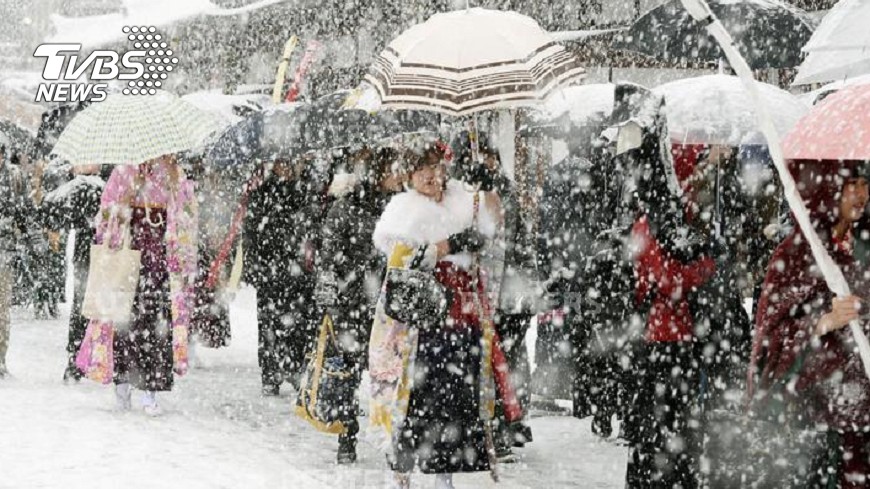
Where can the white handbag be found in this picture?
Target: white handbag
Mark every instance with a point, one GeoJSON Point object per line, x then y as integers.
{"type": "Point", "coordinates": [113, 278]}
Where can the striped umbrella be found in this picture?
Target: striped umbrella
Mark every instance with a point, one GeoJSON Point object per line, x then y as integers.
{"type": "Point", "coordinates": [131, 129]}
{"type": "Point", "coordinates": [471, 60]}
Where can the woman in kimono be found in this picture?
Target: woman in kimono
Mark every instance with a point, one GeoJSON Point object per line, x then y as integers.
{"type": "Point", "coordinates": [155, 203]}
{"type": "Point", "coordinates": [432, 393]}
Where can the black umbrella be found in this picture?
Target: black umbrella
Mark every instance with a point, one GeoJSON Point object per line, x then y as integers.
{"type": "Point", "coordinates": [768, 33]}
{"type": "Point", "coordinates": [281, 132]}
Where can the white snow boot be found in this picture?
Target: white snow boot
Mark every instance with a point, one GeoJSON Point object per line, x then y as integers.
{"type": "Point", "coordinates": [150, 405]}
{"type": "Point", "coordinates": [123, 394]}
{"type": "Point", "coordinates": [444, 481]}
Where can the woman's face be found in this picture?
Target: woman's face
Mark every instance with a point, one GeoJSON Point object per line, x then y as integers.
{"type": "Point", "coordinates": [429, 179]}
{"type": "Point", "coordinates": [854, 199]}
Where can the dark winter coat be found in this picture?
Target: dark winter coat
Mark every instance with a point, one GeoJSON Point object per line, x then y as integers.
{"type": "Point", "coordinates": [73, 206]}
{"type": "Point", "coordinates": [578, 205]}
{"type": "Point", "coordinates": [281, 229]}
{"type": "Point", "coordinates": [15, 208]}
{"type": "Point", "coordinates": [350, 268]}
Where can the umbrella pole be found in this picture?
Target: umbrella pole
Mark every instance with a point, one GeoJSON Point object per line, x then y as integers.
{"type": "Point", "coordinates": [833, 275]}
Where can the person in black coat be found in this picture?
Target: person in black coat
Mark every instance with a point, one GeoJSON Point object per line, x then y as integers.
{"type": "Point", "coordinates": [72, 207]}
{"type": "Point", "coordinates": [578, 260]}
{"type": "Point", "coordinates": [281, 231]}
{"type": "Point", "coordinates": [351, 270]}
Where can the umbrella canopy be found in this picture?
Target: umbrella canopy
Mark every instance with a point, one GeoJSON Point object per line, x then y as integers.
{"type": "Point", "coordinates": [278, 132]}
{"type": "Point", "coordinates": [844, 27]}
{"type": "Point", "coordinates": [717, 109]}
{"type": "Point", "coordinates": [128, 130]}
{"type": "Point", "coordinates": [769, 33]}
{"type": "Point", "coordinates": [840, 47]}
{"type": "Point", "coordinates": [470, 60]}
{"type": "Point", "coordinates": [339, 125]}
{"type": "Point", "coordinates": [837, 128]}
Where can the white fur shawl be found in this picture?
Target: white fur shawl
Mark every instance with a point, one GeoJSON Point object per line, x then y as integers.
{"type": "Point", "coordinates": [416, 220]}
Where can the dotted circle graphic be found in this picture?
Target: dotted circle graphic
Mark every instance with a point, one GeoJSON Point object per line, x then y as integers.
{"type": "Point", "coordinates": [157, 62]}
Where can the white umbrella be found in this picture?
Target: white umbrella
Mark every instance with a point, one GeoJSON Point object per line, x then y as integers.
{"type": "Point", "coordinates": [131, 129]}
{"type": "Point", "coordinates": [470, 60]}
{"type": "Point", "coordinates": [840, 46]}
{"type": "Point", "coordinates": [843, 27]}
{"type": "Point", "coordinates": [717, 109]}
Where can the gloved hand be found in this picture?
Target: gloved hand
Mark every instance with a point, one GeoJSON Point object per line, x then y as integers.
{"type": "Point", "coordinates": [469, 240]}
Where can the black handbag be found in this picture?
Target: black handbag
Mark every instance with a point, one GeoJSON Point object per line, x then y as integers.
{"type": "Point", "coordinates": [328, 388]}
{"type": "Point", "coordinates": [415, 297]}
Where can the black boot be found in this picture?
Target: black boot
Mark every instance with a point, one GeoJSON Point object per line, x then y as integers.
{"type": "Point", "coordinates": [521, 434]}
{"type": "Point", "coordinates": [346, 449]}
{"type": "Point", "coordinates": [72, 374]}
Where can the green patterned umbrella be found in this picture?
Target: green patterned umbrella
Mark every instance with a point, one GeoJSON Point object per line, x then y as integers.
{"type": "Point", "coordinates": [131, 129]}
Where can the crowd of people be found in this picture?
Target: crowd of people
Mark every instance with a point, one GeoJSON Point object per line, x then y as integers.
{"type": "Point", "coordinates": [634, 260]}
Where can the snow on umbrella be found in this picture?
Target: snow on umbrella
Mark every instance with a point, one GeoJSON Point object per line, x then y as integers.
{"type": "Point", "coordinates": [580, 102]}
{"type": "Point", "coordinates": [131, 129]}
{"type": "Point", "coordinates": [717, 109]}
{"type": "Point", "coordinates": [769, 33]}
{"type": "Point", "coordinates": [229, 109]}
{"type": "Point", "coordinates": [471, 60]}
{"type": "Point", "coordinates": [837, 128]}
{"type": "Point", "coordinates": [572, 107]}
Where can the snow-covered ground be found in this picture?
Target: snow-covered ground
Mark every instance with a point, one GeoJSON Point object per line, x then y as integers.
{"type": "Point", "coordinates": [217, 431]}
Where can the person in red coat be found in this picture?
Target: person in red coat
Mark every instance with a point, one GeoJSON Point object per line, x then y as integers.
{"type": "Point", "coordinates": [801, 337]}
{"type": "Point", "coordinates": [665, 443]}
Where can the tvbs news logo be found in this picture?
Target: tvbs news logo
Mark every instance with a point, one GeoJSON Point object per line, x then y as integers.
{"type": "Point", "coordinates": [144, 68]}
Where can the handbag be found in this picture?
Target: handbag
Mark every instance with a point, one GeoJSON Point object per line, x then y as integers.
{"type": "Point", "coordinates": [113, 278]}
{"type": "Point", "coordinates": [328, 388]}
{"type": "Point", "coordinates": [414, 297]}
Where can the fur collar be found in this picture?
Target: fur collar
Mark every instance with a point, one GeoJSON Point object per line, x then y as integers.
{"type": "Point", "coordinates": [416, 220]}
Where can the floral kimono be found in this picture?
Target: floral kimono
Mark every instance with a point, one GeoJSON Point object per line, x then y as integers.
{"type": "Point", "coordinates": [433, 388]}
{"type": "Point", "coordinates": [161, 217]}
